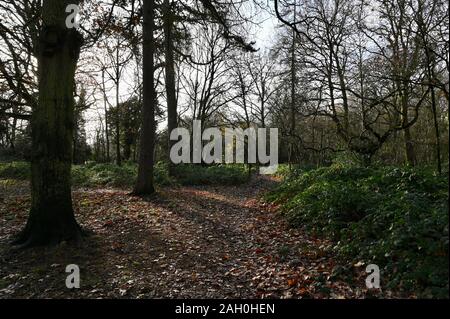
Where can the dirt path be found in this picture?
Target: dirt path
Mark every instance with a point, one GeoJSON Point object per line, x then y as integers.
{"type": "Point", "coordinates": [187, 242]}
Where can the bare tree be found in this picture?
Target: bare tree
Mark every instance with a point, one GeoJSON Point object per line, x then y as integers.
{"type": "Point", "coordinates": [117, 57]}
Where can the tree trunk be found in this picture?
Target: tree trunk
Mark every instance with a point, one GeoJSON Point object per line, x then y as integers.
{"type": "Point", "coordinates": [118, 156]}
{"type": "Point", "coordinates": [409, 143]}
{"type": "Point", "coordinates": [144, 182]}
{"type": "Point", "coordinates": [13, 128]}
{"type": "Point", "coordinates": [431, 77]}
{"type": "Point", "coordinates": [409, 147]}
{"type": "Point", "coordinates": [172, 116]}
{"type": "Point", "coordinates": [108, 157]}
{"type": "Point", "coordinates": [292, 117]}
{"type": "Point", "coordinates": [51, 218]}
{"type": "Point", "coordinates": [436, 130]}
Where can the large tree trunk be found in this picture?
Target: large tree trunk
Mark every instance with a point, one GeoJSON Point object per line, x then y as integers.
{"type": "Point", "coordinates": [144, 182]}
{"type": "Point", "coordinates": [172, 116]}
{"type": "Point", "coordinates": [51, 218]}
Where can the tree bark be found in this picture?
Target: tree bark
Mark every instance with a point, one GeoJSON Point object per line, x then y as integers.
{"type": "Point", "coordinates": [293, 82]}
{"type": "Point", "coordinates": [118, 156]}
{"type": "Point", "coordinates": [172, 115]}
{"type": "Point", "coordinates": [108, 157]}
{"type": "Point", "coordinates": [436, 129]}
{"type": "Point", "coordinates": [409, 147]}
{"type": "Point", "coordinates": [51, 218]}
{"type": "Point", "coordinates": [144, 182]}
{"type": "Point", "coordinates": [431, 79]}
{"type": "Point", "coordinates": [13, 129]}
{"type": "Point", "coordinates": [409, 143]}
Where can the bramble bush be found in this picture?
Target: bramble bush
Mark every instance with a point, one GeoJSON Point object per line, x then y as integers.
{"type": "Point", "coordinates": [394, 217]}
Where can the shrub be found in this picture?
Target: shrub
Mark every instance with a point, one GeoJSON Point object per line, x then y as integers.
{"type": "Point", "coordinates": [103, 175]}
{"type": "Point", "coordinates": [110, 175]}
{"type": "Point", "coordinates": [15, 170]}
{"type": "Point", "coordinates": [394, 217]}
{"type": "Point", "coordinates": [230, 174]}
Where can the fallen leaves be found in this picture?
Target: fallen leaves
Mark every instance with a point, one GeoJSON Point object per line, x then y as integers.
{"type": "Point", "coordinates": [187, 242]}
{"type": "Point", "coordinates": [292, 282]}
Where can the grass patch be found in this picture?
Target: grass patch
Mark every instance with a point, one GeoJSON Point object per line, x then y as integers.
{"type": "Point", "coordinates": [396, 218]}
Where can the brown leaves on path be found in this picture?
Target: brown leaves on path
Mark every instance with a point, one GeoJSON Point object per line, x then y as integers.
{"type": "Point", "coordinates": [187, 242]}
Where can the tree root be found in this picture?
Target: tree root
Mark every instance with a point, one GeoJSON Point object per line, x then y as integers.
{"type": "Point", "coordinates": [33, 236]}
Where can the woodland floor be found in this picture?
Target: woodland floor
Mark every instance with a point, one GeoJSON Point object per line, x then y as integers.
{"type": "Point", "coordinates": [184, 242]}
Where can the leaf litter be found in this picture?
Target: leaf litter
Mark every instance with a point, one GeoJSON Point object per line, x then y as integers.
{"type": "Point", "coordinates": [183, 242]}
